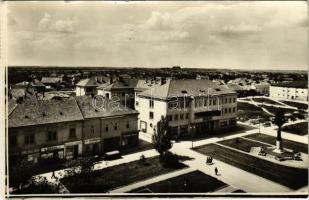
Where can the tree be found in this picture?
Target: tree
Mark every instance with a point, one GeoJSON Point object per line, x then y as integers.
{"type": "Point", "coordinates": [20, 173]}
{"type": "Point", "coordinates": [161, 137]}
{"type": "Point", "coordinates": [279, 120]}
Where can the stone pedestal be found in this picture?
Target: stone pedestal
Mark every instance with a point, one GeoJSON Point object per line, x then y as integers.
{"type": "Point", "coordinates": [279, 148]}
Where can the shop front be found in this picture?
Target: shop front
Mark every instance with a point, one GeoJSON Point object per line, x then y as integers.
{"type": "Point", "coordinates": [52, 153]}
{"type": "Point", "coordinates": [32, 155]}
{"type": "Point", "coordinates": [92, 146]}
{"type": "Point", "coordinates": [73, 150]}
{"type": "Point", "coordinates": [130, 139]}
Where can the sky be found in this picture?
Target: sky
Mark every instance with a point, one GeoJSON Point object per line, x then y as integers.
{"type": "Point", "coordinates": [202, 34]}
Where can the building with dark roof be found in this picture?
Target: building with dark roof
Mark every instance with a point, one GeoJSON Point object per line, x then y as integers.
{"type": "Point", "coordinates": [89, 86]}
{"type": "Point", "coordinates": [68, 128]}
{"type": "Point", "coordinates": [122, 90]}
{"type": "Point", "coordinates": [191, 106]}
{"type": "Point", "coordinates": [297, 90]}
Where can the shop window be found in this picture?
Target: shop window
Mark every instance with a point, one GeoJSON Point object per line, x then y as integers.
{"type": "Point", "coordinates": [72, 133]}
{"type": "Point", "coordinates": [223, 124]}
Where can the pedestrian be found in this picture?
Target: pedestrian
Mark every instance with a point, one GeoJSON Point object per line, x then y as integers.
{"type": "Point", "coordinates": [53, 174]}
{"type": "Point", "coordinates": [216, 171]}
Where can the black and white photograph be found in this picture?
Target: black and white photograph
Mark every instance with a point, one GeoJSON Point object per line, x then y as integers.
{"type": "Point", "coordinates": [167, 99]}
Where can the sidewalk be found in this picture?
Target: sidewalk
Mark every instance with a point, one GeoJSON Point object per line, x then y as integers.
{"type": "Point", "coordinates": [152, 180]}
{"type": "Point", "coordinates": [104, 164]}
{"type": "Point", "coordinates": [231, 175]}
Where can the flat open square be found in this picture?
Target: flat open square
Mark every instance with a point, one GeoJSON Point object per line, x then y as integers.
{"type": "Point", "coordinates": [290, 177]}
{"type": "Point", "coordinates": [242, 144]}
{"type": "Point", "coordinates": [198, 182]}
{"type": "Point", "coordinates": [103, 180]}
{"type": "Point", "coordinates": [286, 143]}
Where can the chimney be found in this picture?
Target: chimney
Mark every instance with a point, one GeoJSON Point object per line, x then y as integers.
{"type": "Point", "coordinates": [163, 81]}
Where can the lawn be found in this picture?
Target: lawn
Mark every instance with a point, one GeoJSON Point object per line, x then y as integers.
{"type": "Point", "coordinates": [36, 189]}
{"type": "Point", "coordinates": [290, 177]}
{"type": "Point", "coordinates": [248, 111]}
{"type": "Point", "coordinates": [198, 182]}
{"type": "Point", "coordinates": [265, 100]}
{"type": "Point", "coordinates": [302, 106]}
{"type": "Point", "coordinates": [274, 110]}
{"type": "Point", "coordinates": [106, 179]}
{"type": "Point", "coordinates": [286, 143]}
{"type": "Point", "coordinates": [298, 129]}
{"type": "Point", "coordinates": [242, 144]}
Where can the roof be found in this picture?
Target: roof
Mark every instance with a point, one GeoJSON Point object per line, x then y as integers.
{"type": "Point", "coordinates": [51, 80]}
{"type": "Point", "coordinates": [37, 83]}
{"type": "Point", "coordinates": [37, 112]}
{"type": "Point", "coordinates": [235, 87]}
{"type": "Point", "coordinates": [12, 104]}
{"type": "Point", "coordinates": [122, 83]}
{"type": "Point", "coordinates": [145, 85]}
{"type": "Point", "coordinates": [18, 92]}
{"type": "Point", "coordinates": [93, 81]}
{"type": "Point", "coordinates": [176, 88]}
{"type": "Point", "coordinates": [295, 84]}
{"type": "Point", "coordinates": [88, 110]}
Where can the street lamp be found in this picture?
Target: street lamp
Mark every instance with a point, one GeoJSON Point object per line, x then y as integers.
{"type": "Point", "coordinates": [191, 126]}
{"type": "Point", "coordinates": [259, 124]}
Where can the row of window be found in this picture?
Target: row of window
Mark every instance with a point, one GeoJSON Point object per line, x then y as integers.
{"type": "Point", "coordinates": [295, 91]}
{"type": "Point", "coordinates": [116, 126]}
{"type": "Point", "coordinates": [52, 135]}
{"type": "Point", "coordinates": [228, 110]}
{"type": "Point", "coordinates": [177, 117]}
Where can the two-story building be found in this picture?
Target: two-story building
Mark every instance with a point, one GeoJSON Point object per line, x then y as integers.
{"type": "Point", "coordinates": [107, 127]}
{"type": "Point", "coordinates": [297, 90]}
{"type": "Point", "coordinates": [89, 86]}
{"type": "Point", "coordinates": [191, 106]}
{"type": "Point", "coordinates": [45, 129]}
{"type": "Point", "coordinates": [68, 128]}
{"type": "Point", "coordinates": [122, 90]}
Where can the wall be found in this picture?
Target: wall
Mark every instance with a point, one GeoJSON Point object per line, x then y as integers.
{"type": "Point", "coordinates": [288, 93]}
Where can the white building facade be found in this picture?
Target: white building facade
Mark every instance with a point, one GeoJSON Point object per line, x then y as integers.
{"type": "Point", "coordinates": [191, 106]}
{"type": "Point", "coordinates": [291, 91]}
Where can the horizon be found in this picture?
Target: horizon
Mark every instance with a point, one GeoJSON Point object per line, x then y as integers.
{"type": "Point", "coordinates": [199, 35]}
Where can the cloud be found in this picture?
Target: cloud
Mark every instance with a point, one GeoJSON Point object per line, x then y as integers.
{"type": "Point", "coordinates": [63, 26]}
{"type": "Point", "coordinates": [241, 29]}
{"type": "Point", "coordinates": [45, 22]}
{"type": "Point", "coordinates": [159, 21]}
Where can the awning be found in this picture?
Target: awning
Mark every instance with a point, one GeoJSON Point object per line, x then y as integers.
{"type": "Point", "coordinates": [210, 113]}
